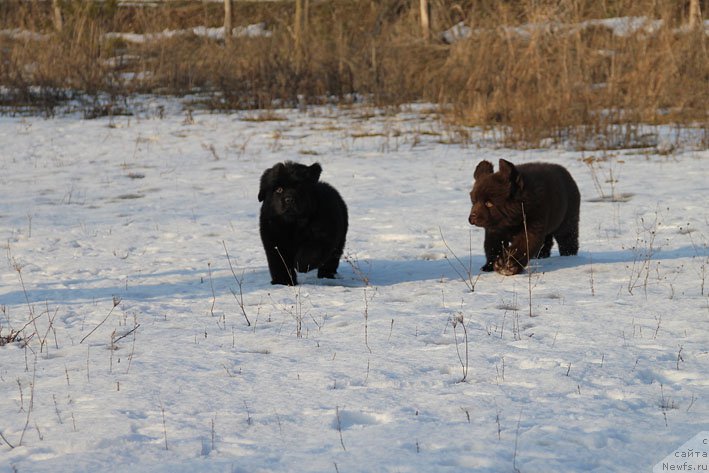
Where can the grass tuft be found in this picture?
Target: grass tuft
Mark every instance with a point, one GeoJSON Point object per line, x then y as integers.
{"type": "Point", "coordinates": [584, 72]}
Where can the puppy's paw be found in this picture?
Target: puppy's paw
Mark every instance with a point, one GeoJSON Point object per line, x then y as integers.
{"type": "Point", "coordinates": [489, 266]}
{"type": "Point", "coordinates": [282, 282]}
{"type": "Point", "coordinates": [507, 267]}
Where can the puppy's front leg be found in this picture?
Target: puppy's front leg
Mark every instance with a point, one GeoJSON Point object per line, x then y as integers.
{"type": "Point", "coordinates": [515, 258]}
{"type": "Point", "coordinates": [318, 254]}
{"type": "Point", "coordinates": [494, 245]}
{"type": "Point", "coordinates": [280, 265]}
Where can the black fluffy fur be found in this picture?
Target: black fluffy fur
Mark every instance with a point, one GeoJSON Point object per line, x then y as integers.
{"type": "Point", "coordinates": [303, 222]}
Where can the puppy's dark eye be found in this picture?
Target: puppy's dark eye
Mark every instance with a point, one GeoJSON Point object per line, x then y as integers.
{"type": "Point", "coordinates": [279, 190]}
{"type": "Point", "coordinates": [489, 204]}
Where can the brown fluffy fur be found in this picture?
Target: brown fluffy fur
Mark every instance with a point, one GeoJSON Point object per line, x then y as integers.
{"type": "Point", "coordinates": [523, 209]}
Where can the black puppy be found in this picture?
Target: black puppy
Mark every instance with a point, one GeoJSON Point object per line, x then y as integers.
{"type": "Point", "coordinates": [303, 222]}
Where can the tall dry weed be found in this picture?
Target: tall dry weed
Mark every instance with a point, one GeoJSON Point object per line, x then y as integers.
{"type": "Point", "coordinates": [534, 70]}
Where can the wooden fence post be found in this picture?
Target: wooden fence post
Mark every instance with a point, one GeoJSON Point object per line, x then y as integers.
{"type": "Point", "coordinates": [58, 22]}
{"type": "Point", "coordinates": [300, 29]}
{"type": "Point", "coordinates": [425, 9]}
{"type": "Point", "coordinates": [298, 23]}
{"type": "Point", "coordinates": [227, 22]}
{"type": "Point", "coordinates": [695, 14]}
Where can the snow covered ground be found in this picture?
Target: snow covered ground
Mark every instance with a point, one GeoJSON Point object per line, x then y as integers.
{"type": "Point", "coordinates": [618, 26]}
{"type": "Point", "coordinates": [137, 356]}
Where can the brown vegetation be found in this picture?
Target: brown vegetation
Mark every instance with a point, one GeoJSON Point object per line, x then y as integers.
{"type": "Point", "coordinates": [530, 69]}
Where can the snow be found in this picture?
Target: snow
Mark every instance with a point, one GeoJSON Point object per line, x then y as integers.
{"type": "Point", "coordinates": [23, 35]}
{"type": "Point", "coordinates": [618, 26]}
{"type": "Point", "coordinates": [626, 26]}
{"type": "Point", "coordinates": [249, 31]}
{"type": "Point", "coordinates": [255, 30]}
{"type": "Point", "coordinates": [120, 227]}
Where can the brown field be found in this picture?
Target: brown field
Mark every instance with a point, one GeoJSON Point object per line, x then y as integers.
{"type": "Point", "coordinates": [531, 70]}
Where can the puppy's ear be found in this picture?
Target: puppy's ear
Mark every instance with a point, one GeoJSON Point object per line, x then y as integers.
{"type": "Point", "coordinates": [314, 171]}
{"type": "Point", "coordinates": [267, 180]}
{"type": "Point", "coordinates": [484, 168]}
{"type": "Point", "coordinates": [510, 173]}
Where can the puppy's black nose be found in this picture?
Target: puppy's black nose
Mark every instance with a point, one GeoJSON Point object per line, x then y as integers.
{"type": "Point", "coordinates": [289, 199]}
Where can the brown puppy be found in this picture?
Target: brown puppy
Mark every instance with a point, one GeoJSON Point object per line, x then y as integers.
{"type": "Point", "coordinates": [523, 209]}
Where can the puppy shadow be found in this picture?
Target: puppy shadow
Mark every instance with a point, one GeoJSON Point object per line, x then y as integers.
{"type": "Point", "coordinates": [170, 285]}
{"type": "Point", "coordinates": [384, 272]}
{"type": "Point", "coordinates": [195, 285]}
{"type": "Point", "coordinates": [600, 258]}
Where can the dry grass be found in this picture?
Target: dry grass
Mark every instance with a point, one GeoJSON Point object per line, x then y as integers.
{"type": "Point", "coordinates": [10, 337]}
{"type": "Point", "coordinates": [531, 69]}
{"type": "Point", "coordinates": [557, 81]}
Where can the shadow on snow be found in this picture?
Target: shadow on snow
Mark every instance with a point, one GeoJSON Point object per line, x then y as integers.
{"type": "Point", "coordinates": [196, 285]}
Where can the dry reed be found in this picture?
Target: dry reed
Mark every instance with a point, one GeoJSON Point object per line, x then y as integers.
{"type": "Point", "coordinates": [535, 70]}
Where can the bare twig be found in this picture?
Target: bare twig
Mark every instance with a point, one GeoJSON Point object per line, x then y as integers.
{"type": "Point", "coordinates": [679, 356]}
{"type": "Point", "coordinates": [116, 301]}
{"type": "Point", "coordinates": [31, 321]}
{"type": "Point", "coordinates": [211, 284]}
{"type": "Point", "coordinates": [643, 256]}
{"type": "Point", "coordinates": [297, 311]}
{"type": "Point", "coordinates": [249, 420]}
{"type": "Point", "coordinates": [529, 257]}
{"type": "Point", "coordinates": [213, 433]}
{"type": "Point", "coordinates": [366, 319]}
{"type": "Point", "coordinates": [239, 282]}
{"type": "Point", "coordinates": [18, 268]}
{"type": "Point", "coordinates": [9, 338]}
{"type": "Point", "coordinates": [467, 278]}
{"type": "Point", "coordinates": [43, 340]}
{"type": "Point", "coordinates": [285, 265]}
{"type": "Point", "coordinates": [353, 261]}
{"type": "Point", "coordinates": [514, 457]}
{"type": "Point", "coordinates": [56, 409]}
{"type": "Point", "coordinates": [164, 425]}
{"type": "Point", "coordinates": [5, 440]}
{"type": "Point", "coordinates": [691, 403]}
{"type": "Point", "coordinates": [657, 329]}
{"type": "Point", "coordinates": [593, 289]}
{"type": "Point", "coordinates": [339, 427]}
{"type": "Point", "coordinates": [29, 409]}
{"type": "Point", "coordinates": [464, 363]}
{"type": "Point", "coordinates": [126, 334]}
